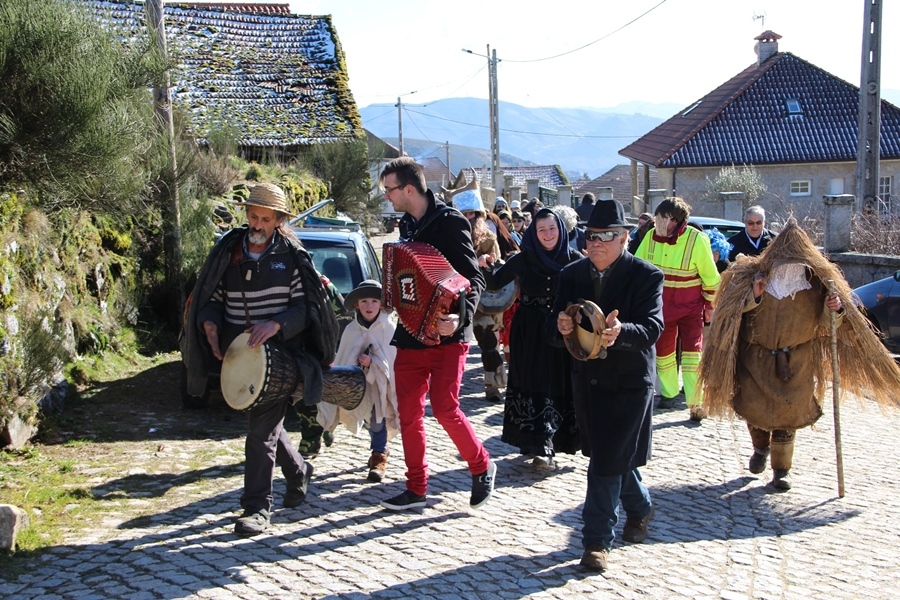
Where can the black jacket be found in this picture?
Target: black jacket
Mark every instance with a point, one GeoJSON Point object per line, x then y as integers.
{"type": "Point", "coordinates": [315, 339]}
{"type": "Point", "coordinates": [742, 245]}
{"type": "Point", "coordinates": [449, 232]}
{"type": "Point", "coordinates": [614, 395]}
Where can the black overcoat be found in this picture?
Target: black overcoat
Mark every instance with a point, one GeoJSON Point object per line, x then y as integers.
{"type": "Point", "coordinates": [614, 395]}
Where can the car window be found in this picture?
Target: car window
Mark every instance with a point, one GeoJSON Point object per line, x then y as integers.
{"type": "Point", "coordinates": [339, 263]}
{"type": "Point", "coordinates": [371, 259]}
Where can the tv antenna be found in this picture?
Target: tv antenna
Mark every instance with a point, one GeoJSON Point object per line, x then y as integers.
{"type": "Point", "coordinates": [760, 17]}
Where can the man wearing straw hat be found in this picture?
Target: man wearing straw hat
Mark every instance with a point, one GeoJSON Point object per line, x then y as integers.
{"type": "Point", "coordinates": [260, 280]}
{"type": "Point", "coordinates": [613, 392]}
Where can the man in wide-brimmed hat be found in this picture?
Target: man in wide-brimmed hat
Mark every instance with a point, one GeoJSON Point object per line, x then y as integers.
{"type": "Point", "coordinates": [260, 280]}
{"type": "Point", "coordinates": [613, 393]}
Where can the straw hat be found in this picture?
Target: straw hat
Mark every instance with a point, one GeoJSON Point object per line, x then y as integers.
{"type": "Point", "coordinates": [267, 195]}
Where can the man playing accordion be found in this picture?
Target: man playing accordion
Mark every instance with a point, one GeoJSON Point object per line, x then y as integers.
{"type": "Point", "coordinates": [435, 369]}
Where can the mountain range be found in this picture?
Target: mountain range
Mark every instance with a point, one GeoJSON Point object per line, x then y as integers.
{"type": "Point", "coordinates": [583, 141]}
{"type": "Point", "coordinates": [580, 140]}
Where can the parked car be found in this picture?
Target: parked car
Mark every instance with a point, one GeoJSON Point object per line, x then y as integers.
{"type": "Point", "coordinates": [390, 218]}
{"type": "Point", "coordinates": [880, 301]}
{"type": "Point", "coordinates": [345, 257]}
{"type": "Point", "coordinates": [728, 228]}
{"type": "Point", "coordinates": [342, 254]}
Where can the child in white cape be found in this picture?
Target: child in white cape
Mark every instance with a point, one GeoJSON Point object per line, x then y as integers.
{"type": "Point", "coordinates": [367, 342]}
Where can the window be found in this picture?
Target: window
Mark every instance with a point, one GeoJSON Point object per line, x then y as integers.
{"type": "Point", "coordinates": [885, 187]}
{"type": "Point", "coordinates": [837, 186]}
{"type": "Point", "coordinates": [886, 203]}
{"type": "Point", "coordinates": [793, 106]}
{"type": "Point", "coordinates": [801, 187]}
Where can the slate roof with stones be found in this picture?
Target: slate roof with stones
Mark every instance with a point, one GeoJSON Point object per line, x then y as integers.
{"type": "Point", "coordinates": [549, 176]}
{"type": "Point", "coordinates": [277, 80]}
{"type": "Point", "coordinates": [746, 121]}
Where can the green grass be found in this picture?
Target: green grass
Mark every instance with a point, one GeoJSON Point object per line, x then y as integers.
{"type": "Point", "coordinates": [50, 492]}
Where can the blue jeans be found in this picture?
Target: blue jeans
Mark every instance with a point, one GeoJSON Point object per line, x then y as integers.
{"type": "Point", "coordinates": [601, 506]}
{"type": "Point", "coordinates": [377, 434]}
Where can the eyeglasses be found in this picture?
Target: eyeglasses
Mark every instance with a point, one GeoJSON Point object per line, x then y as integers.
{"type": "Point", "coordinates": [388, 189]}
{"type": "Point", "coordinates": [601, 236]}
{"type": "Point", "coordinates": [754, 222]}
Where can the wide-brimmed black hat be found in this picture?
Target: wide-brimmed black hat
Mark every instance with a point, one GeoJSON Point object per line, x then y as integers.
{"type": "Point", "coordinates": [608, 214]}
{"type": "Point", "coordinates": [366, 289]}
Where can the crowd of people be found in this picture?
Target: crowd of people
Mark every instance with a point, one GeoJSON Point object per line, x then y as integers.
{"type": "Point", "coordinates": [654, 285]}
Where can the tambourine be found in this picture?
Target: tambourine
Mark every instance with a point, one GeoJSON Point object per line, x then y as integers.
{"type": "Point", "coordinates": [581, 343]}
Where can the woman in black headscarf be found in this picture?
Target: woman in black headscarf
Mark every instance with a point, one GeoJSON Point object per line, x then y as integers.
{"type": "Point", "coordinates": [539, 416]}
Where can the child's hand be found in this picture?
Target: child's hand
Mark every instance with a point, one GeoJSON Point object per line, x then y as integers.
{"type": "Point", "coordinates": [365, 360]}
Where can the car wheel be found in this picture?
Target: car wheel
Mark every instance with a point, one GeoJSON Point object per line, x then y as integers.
{"type": "Point", "coordinates": [187, 400]}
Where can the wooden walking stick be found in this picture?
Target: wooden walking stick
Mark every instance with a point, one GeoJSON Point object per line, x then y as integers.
{"type": "Point", "coordinates": [836, 396]}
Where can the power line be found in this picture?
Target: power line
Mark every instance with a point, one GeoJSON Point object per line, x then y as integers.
{"type": "Point", "coordinates": [634, 20]}
{"type": "Point", "coordinates": [468, 78]}
{"type": "Point", "coordinates": [562, 135]}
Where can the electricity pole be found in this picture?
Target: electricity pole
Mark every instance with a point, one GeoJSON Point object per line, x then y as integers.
{"type": "Point", "coordinates": [493, 116]}
{"type": "Point", "coordinates": [449, 170]}
{"type": "Point", "coordinates": [400, 123]}
{"type": "Point", "coordinates": [495, 123]}
{"type": "Point", "coordinates": [869, 150]}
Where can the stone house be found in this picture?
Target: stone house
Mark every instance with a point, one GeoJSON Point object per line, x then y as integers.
{"type": "Point", "coordinates": [795, 123]}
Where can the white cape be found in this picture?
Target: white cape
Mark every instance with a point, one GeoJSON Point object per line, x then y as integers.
{"type": "Point", "coordinates": [381, 391]}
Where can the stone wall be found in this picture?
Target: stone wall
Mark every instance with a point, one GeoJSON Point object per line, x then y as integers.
{"type": "Point", "coordinates": [860, 269]}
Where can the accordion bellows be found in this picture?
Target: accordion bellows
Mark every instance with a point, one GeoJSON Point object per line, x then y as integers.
{"type": "Point", "coordinates": [421, 285]}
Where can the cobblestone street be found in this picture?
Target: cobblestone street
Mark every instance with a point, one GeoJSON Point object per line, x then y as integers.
{"type": "Point", "coordinates": [718, 532]}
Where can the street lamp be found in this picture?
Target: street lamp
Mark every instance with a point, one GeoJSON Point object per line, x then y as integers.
{"type": "Point", "coordinates": [494, 116]}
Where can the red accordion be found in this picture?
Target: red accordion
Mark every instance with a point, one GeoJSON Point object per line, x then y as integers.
{"type": "Point", "coordinates": [421, 285]}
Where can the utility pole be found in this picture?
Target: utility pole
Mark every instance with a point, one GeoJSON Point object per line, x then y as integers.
{"type": "Point", "coordinates": [400, 123]}
{"type": "Point", "coordinates": [449, 170]}
{"type": "Point", "coordinates": [493, 115]}
{"type": "Point", "coordinates": [495, 122]}
{"type": "Point", "coordinates": [869, 150]}
{"type": "Point", "coordinates": [168, 193]}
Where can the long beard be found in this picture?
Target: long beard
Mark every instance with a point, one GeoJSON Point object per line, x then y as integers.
{"type": "Point", "coordinates": [257, 237]}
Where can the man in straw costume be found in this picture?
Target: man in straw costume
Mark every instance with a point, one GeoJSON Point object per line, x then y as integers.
{"type": "Point", "coordinates": [258, 279]}
{"type": "Point", "coordinates": [770, 339]}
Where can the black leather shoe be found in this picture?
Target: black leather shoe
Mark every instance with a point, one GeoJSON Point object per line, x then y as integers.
{"type": "Point", "coordinates": [296, 490]}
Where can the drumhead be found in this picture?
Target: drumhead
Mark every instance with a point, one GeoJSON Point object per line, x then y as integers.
{"type": "Point", "coordinates": [497, 301]}
{"type": "Point", "coordinates": [243, 373]}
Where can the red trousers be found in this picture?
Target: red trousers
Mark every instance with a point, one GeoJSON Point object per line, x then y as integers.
{"type": "Point", "coordinates": [436, 371]}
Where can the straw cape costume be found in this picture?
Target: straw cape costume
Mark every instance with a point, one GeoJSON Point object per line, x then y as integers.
{"type": "Point", "coordinates": [769, 357]}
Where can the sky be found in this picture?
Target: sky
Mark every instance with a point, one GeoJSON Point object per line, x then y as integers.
{"type": "Point", "coordinates": [589, 53]}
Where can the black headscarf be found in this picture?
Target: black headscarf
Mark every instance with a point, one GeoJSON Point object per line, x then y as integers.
{"type": "Point", "coordinates": [554, 259]}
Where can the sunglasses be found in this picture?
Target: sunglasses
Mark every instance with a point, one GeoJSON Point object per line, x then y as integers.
{"type": "Point", "coordinates": [601, 236]}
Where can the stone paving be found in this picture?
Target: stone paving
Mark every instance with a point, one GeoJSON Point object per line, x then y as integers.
{"type": "Point", "coordinates": [719, 532]}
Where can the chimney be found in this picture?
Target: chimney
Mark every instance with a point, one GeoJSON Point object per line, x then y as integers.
{"type": "Point", "coordinates": [766, 46]}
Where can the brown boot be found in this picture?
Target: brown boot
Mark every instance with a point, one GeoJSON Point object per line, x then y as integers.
{"type": "Point", "coordinates": [377, 466]}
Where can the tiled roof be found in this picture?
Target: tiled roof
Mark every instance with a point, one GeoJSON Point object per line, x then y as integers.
{"type": "Point", "coordinates": [550, 176]}
{"type": "Point", "coordinates": [277, 80]}
{"type": "Point", "coordinates": [747, 120]}
{"type": "Point", "coordinates": [435, 169]}
{"type": "Point", "coordinates": [264, 9]}
{"type": "Point", "coordinates": [619, 179]}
